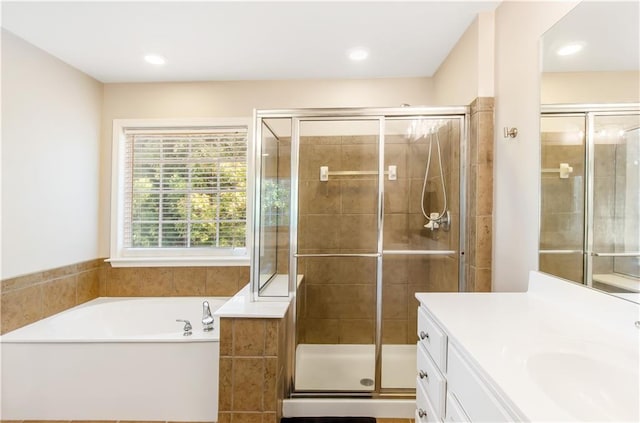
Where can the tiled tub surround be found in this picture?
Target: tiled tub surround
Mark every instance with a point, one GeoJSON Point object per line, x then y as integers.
{"type": "Point", "coordinates": [32, 297]}
{"type": "Point", "coordinates": [255, 368]}
{"type": "Point", "coordinates": [132, 354]}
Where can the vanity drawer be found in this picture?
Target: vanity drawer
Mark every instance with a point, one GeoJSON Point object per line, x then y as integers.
{"type": "Point", "coordinates": [472, 393]}
{"type": "Point", "coordinates": [454, 411]}
{"type": "Point", "coordinates": [432, 381]}
{"type": "Point", "coordinates": [432, 338]}
{"type": "Point", "coordinates": [424, 409]}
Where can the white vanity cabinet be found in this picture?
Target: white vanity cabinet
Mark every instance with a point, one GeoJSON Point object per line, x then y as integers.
{"type": "Point", "coordinates": [448, 388]}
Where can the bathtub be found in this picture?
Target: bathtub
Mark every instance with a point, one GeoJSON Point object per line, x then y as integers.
{"type": "Point", "coordinates": [114, 359]}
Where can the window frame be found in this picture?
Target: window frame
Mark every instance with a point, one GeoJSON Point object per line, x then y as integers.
{"type": "Point", "coordinates": [121, 256]}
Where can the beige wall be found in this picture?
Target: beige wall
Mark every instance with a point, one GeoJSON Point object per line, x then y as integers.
{"type": "Point", "coordinates": [50, 163]}
{"type": "Point", "coordinates": [237, 99]}
{"type": "Point", "coordinates": [518, 27]}
{"type": "Point", "coordinates": [467, 72]}
{"type": "Point", "coordinates": [590, 87]}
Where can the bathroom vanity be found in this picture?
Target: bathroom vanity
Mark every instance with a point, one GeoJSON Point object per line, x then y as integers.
{"type": "Point", "coordinates": [558, 352]}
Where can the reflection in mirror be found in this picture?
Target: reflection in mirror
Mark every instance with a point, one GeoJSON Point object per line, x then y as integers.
{"type": "Point", "coordinates": [589, 230]}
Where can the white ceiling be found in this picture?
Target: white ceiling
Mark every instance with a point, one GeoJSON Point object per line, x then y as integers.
{"type": "Point", "coordinates": [610, 32]}
{"type": "Point", "coordinates": [244, 40]}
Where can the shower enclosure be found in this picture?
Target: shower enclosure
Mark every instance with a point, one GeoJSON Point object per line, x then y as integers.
{"type": "Point", "coordinates": [590, 204]}
{"type": "Point", "coordinates": [356, 211]}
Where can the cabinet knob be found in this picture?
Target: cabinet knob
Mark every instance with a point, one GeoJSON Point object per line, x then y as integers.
{"type": "Point", "coordinates": [424, 335]}
{"type": "Point", "coordinates": [423, 375]}
{"type": "Point", "coordinates": [422, 413]}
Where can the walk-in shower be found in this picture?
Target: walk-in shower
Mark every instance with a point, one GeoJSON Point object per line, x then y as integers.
{"type": "Point", "coordinates": [590, 195]}
{"type": "Point", "coordinates": [341, 201]}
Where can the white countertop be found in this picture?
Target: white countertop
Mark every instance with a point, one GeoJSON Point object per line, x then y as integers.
{"type": "Point", "coordinates": [240, 305]}
{"type": "Point", "coordinates": [546, 355]}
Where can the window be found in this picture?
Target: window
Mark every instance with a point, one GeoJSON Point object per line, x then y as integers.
{"type": "Point", "coordinates": [179, 194]}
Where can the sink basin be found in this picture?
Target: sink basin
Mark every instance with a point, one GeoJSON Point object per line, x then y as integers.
{"type": "Point", "coordinates": [588, 388]}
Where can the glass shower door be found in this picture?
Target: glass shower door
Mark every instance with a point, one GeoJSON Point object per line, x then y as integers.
{"type": "Point", "coordinates": [337, 252]}
{"type": "Point", "coordinates": [562, 229]}
{"type": "Point", "coordinates": [421, 233]}
{"type": "Point", "coordinates": [615, 188]}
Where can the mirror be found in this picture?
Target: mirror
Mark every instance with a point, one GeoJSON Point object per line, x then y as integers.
{"type": "Point", "coordinates": [590, 148]}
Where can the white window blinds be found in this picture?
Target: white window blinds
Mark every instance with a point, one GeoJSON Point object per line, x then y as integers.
{"type": "Point", "coordinates": [185, 187]}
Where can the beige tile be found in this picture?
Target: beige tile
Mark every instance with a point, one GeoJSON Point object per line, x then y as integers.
{"type": "Point", "coordinates": [226, 336]}
{"type": "Point", "coordinates": [483, 280]}
{"type": "Point", "coordinates": [155, 281]}
{"type": "Point", "coordinates": [223, 281]}
{"type": "Point", "coordinates": [88, 286]}
{"type": "Point", "coordinates": [471, 240]}
{"type": "Point", "coordinates": [248, 337]}
{"type": "Point", "coordinates": [394, 302]}
{"type": "Point", "coordinates": [246, 417]}
{"type": "Point", "coordinates": [394, 331]}
{"type": "Point", "coordinates": [485, 138]}
{"type": "Point", "coordinates": [337, 301]}
{"type": "Point", "coordinates": [59, 295]}
{"type": "Point", "coordinates": [224, 417]}
{"type": "Point", "coordinates": [248, 382]}
{"type": "Point", "coordinates": [314, 156]}
{"type": "Point", "coordinates": [189, 281]}
{"type": "Point", "coordinates": [396, 196]}
{"type": "Point", "coordinates": [271, 336]}
{"type": "Point", "coordinates": [225, 386]}
{"type": "Point", "coordinates": [357, 232]}
{"type": "Point", "coordinates": [483, 241]}
{"type": "Point", "coordinates": [269, 418]}
{"type": "Point", "coordinates": [270, 382]}
{"type": "Point", "coordinates": [359, 157]}
{"type": "Point", "coordinates": [485, 189]}
{"type": "Point", "coordinates": [396, 232]}
{"type": "Point", "coordinates": [359, 196]}
{"type": "Point", "coordinates": [121, 282]}
{"type": "Point", "coordinates": [356, 331]}
{"type": "Point", "coordinates": [397, 155]}
{"type": "Point", "coordinates": [471, 279]}
{"type": "Point", "coordinates": [320, 197]}
{"type": "Point", "coordinates": [21, 281]}
{"type": "Point", "coordinates": [322, 331]}
{"type": "Point", "coordinates": [318, 232]}
{"type": "Point", "coordinates": [394, 270]}
{"type": "Point", "coordinates": [59, 272]}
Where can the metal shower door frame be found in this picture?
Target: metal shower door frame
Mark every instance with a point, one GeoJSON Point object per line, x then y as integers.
{"type": "Point", "coordinates": [364, 114]}
{"type": "Point", "coordinates": [589, 112]}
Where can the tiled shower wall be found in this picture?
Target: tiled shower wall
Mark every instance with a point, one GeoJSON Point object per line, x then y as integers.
{"type": "Point", "coordinates": [479, 196]}
{"type": "Point", "coordinates": [562, 225]}
{"type": "Point", "coordinates": [337, 298]}
{"type": "Point", "coordinates": [32, 297]}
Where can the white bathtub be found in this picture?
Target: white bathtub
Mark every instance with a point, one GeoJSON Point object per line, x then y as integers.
{"type": "Point", "coordinates": [114, 359]}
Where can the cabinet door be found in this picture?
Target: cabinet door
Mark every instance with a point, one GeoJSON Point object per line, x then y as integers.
{"type": "Point", "coordinates": [433, 339]}
{"type": "Point", "coordinates": [474, 396]}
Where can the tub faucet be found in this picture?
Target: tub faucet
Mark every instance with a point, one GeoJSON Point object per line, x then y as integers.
{"type": "Point", "coordinates": [207, 318]}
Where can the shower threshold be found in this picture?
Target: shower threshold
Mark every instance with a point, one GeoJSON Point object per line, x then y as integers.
{"type": "Point", "coordinates": [351, 367]}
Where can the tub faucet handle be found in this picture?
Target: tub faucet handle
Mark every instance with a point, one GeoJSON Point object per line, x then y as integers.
{"type": "Point", "coordinates": [207, 318]}
{"type": "Point", "coordinates": [187, 327]}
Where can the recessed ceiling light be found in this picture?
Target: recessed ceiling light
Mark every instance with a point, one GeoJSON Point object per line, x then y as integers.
{"type": "Point", "coordinates": [358, 54]}
{"type": "Point", "coordinates": [570, 49]}
{"type": "Point", "coordinates": [155, 59]}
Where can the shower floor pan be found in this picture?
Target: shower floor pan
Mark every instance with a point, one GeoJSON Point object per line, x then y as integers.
{"type": "Point", "coordinates": [348, 367]}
